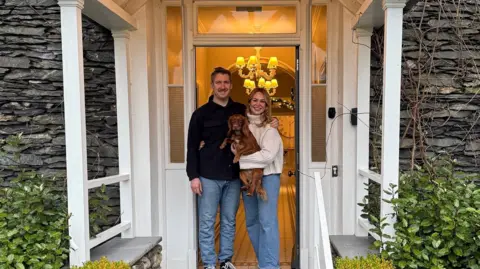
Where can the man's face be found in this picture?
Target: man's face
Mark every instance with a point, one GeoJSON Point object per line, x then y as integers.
{"type": "Point", "coordinates": [221, 86]}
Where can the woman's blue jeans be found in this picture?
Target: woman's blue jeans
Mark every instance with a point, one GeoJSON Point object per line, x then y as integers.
{"type": "Point", "coordinates": [262, 223]}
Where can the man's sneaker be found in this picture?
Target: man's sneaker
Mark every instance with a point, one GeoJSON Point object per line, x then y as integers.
{"type": "Point", "coordinates": [209, 267]}
{"type": "Point", "coordinates": [227, 265]}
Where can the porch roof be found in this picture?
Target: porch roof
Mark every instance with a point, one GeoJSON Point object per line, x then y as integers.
{"type": "Point", "coordinates": [370, 15]}
{"type": "Point", "coordinates": [110, 15]}
{"type": "Point", "coordinates": [118, 14]}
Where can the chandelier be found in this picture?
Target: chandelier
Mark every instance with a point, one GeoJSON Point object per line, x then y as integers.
{"type": "Point", "coordinates": [256, 76]}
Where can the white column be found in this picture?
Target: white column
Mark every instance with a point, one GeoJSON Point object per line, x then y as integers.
{"type": "Point", "coordinates": [391, 102]}
{"type": "Point", "coordinates": [75, 130]}
{"type": "Point", "coordinates": [140, 124]}
{"type": "Point", "coordinates": [348, 101]}
{"type": "Point", "coordinates": [122, 84]}
{"type": "Point", "coordinates": [363, 105]}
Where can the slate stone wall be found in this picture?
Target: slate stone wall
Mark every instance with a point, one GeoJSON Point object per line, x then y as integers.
{"type": "Point", "coordinates": [31, 92]}
{"type": "Point", "coordinates": [151, 260]}
{"type": "Point", "coordinates": [440, 83]}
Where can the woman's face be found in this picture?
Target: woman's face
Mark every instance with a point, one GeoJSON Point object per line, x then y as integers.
{"type": "Point", "coordinates": [258, 104]}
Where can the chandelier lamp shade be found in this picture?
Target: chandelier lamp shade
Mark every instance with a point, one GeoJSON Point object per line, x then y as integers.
{"type": "Point", "coordinates": [256, 77]}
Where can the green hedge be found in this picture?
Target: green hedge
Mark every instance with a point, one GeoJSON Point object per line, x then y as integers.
{"type": "Point", "coordinates": [438, 213]}
{"type": "Point", "coordinates": [34, 217]}
{"type": "Point", "coordinates": [33, 224]}
{"type": "Point", "coordinates": [369, 262]}
{"type": "Point", "coordinates": [103, 263]}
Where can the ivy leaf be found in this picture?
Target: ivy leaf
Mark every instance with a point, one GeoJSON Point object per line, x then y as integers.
{"type": "Point", "coordinates": [10, 258]}
{"type": "Point", "coordinates": [413, 229]}
{"type": "Point", "coordinates": [12, 232]}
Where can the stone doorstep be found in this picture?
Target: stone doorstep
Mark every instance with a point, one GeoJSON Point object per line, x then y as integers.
{"type": "Point", "coordinates": [129, 250]}
{"type": "Point", "coordinates": [351, 245]}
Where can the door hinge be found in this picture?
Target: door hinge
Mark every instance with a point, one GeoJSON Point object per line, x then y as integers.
{"type": "Point", "coordinates": [297, 64]}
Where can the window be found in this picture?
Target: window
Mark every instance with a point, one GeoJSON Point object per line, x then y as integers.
{"type": "Point", "coordinates": [319, 122]}
{"type": "Point", "coordinates": [319, 83]}
{"type": "Point", "coordinates": [176, 122]}
{"type": "Point", "coordinates": [174, 45]}
{"type": "Point", "coordinates": [319, 44]}
{"type": "Point", "coordinates": [175, 84]}
{"type": "Point", "coordinates": [247, 20]}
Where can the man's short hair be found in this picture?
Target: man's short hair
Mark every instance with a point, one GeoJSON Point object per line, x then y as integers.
{"type": "Point", "coordinates": [220, 70]}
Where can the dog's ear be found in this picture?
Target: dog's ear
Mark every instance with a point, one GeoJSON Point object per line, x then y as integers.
{"type": "Point", "coordinates": [229, 133]}
{"type": "Point", "coordinates": [245, 129]}
{"type": "Point", "coordinates": [230, 123]}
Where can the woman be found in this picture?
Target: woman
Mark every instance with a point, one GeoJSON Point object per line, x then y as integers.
{"type": "Point", "coordinates": [261, 216]}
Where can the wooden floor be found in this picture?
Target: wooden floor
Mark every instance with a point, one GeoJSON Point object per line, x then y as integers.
{"type": "Point", "coordinates": [244, 256]}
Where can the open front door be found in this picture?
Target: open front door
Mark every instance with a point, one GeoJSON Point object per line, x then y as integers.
{"type": "Point", "coordinates": [295, 95]}
{"type": "Point", "coordinates": [284, 108]}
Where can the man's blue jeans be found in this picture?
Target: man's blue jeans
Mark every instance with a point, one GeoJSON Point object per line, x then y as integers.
{"type": "Point", "coordinates": [262, 223]}
{"type": "Point", "coordinates": [227, 195]}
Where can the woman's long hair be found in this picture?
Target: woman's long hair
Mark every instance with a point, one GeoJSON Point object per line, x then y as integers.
{"type": "Point", "coordinates": [267, 114]}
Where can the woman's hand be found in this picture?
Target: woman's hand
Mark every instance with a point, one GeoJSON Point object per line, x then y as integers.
{"type": "Point", "coordinates": [274, 123]}
{"type": "Point", "coordinates": [233, 148]}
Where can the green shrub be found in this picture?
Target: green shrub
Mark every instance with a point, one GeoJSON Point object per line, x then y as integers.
{"type": "Point", "coordinates": [369, 262]}
{"type": "Point", "coordinates": [103, 263]}
{"type": "Point", "coordinates": [34, 216]}
{"type": "Point", "coordinates": [33, 224]}
{"type": "Point", "coordinates": [371, 203]}
{"type": "Point", "coordinates": [438, 214]}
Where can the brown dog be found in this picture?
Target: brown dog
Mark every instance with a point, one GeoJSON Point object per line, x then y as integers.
{"type": "Point", "coordinates": [245, 143]}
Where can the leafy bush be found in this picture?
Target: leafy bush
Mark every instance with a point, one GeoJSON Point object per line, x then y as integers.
{"type": "Point", "coordinates": [371, 203]}
{"type": "Point", "coordinates": [369, 262]}
{"type": "Point", "coordinates": [437, 214]}
{"type": "Point", "coordinates": [33, 224]}
{"type": "Point", "coordinates": [103, 263]}
{"type": "Point", "coordinates": [34, 216]}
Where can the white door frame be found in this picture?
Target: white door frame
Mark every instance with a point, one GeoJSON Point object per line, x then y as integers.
{"type": "Point", "coordinates": [308, 222]}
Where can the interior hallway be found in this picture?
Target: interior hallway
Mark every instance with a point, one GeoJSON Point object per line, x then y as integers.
{"type": "Point", "coordinates": [244, 257]}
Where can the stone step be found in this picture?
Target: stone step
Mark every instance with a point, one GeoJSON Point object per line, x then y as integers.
{"type": "Point", "coordinates": [128, 250]}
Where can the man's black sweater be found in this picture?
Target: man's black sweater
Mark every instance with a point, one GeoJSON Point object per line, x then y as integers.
{"type": "Point", "coordinates": [209, 123]}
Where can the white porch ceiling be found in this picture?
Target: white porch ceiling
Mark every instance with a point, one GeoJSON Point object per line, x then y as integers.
{"type": "Point", "coordinates": [117, 14]}
{"type": "Point", "coordinates": [353, 5]}
{"type": "Point", "coordinates": [370, 14]}
{"type": "Point", "coordinates": [130, 6]}
{"type": "Point", "coordinates": [110, 15]}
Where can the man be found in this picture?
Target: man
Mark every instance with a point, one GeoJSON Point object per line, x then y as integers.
{"type": "Point", "coordinates": [213, 176]}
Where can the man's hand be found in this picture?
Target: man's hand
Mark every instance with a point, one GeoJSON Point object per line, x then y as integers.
{"type": "Point", "coordinates": [274, 123]}
{"type": "Point", "coordinates": [196, 186]}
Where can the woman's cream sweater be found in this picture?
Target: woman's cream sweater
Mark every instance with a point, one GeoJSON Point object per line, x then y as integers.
{"type": "Point", "coordinates": [270, 157]}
